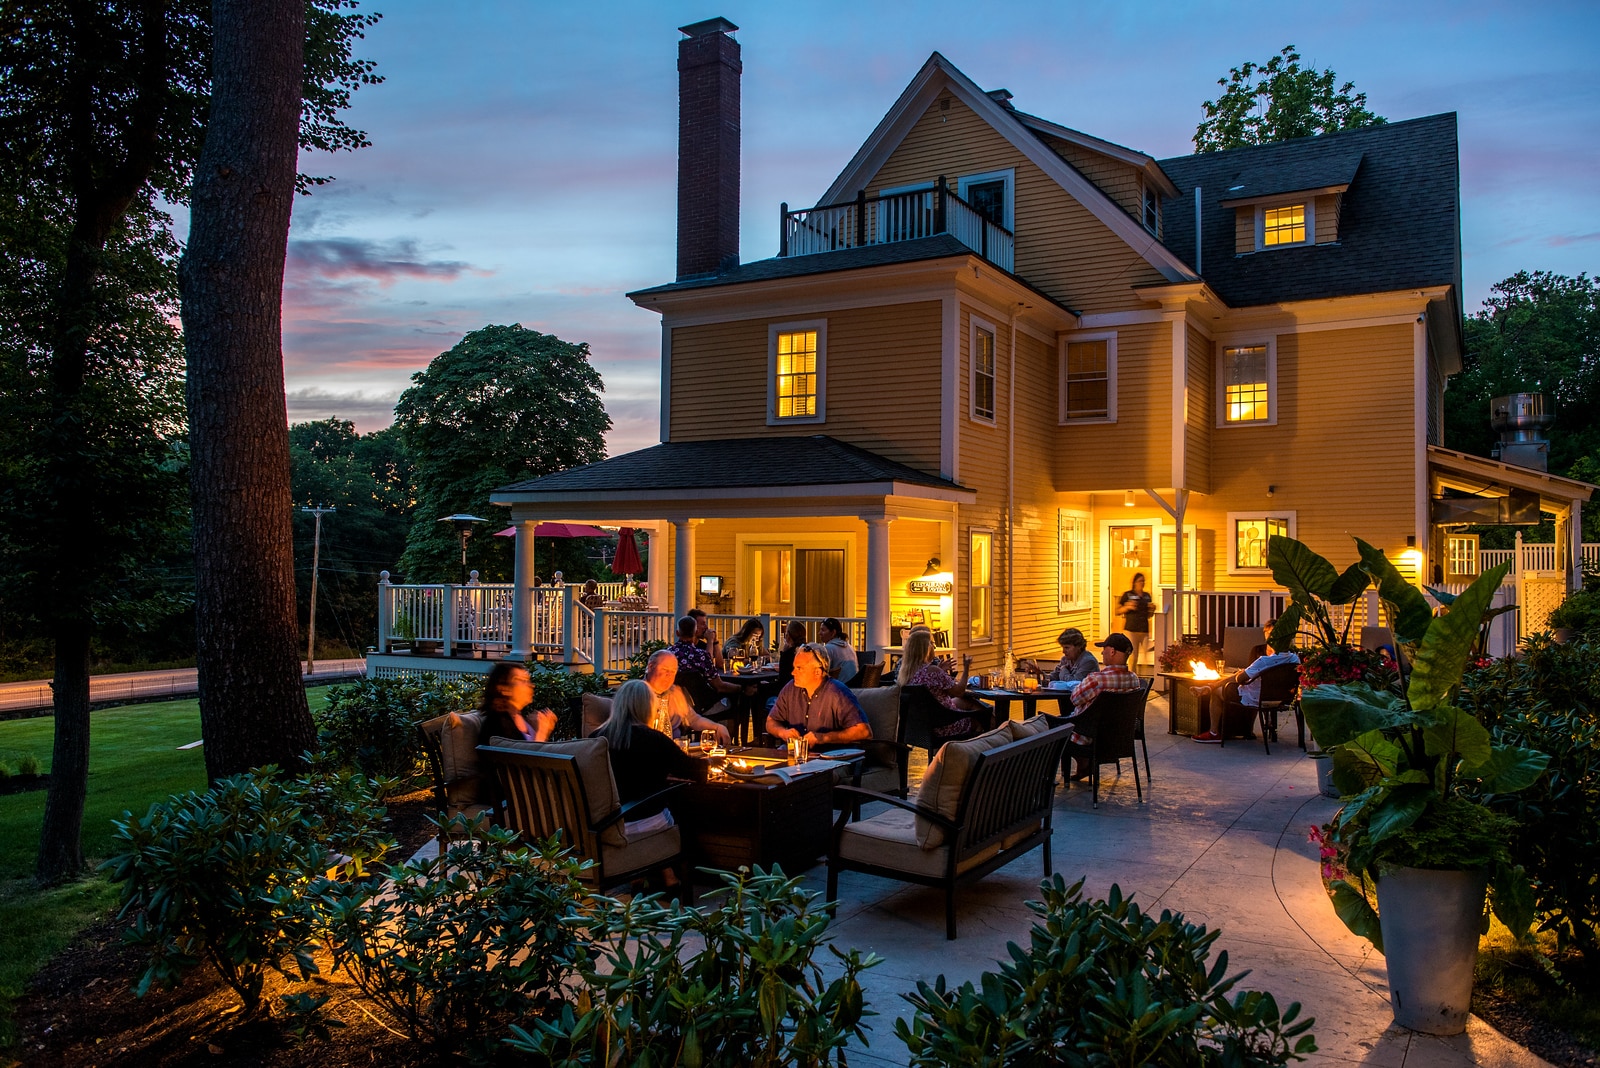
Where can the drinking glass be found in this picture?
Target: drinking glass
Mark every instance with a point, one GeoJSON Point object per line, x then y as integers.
{"type": "Point", "coordinates": [708, 741]}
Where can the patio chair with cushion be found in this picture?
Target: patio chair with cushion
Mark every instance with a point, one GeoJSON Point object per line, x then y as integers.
{"type": "Point", "coordinates": [920, 715]}
{"type": "Point", "coordinates": [888, 758]}
{"type": "Point", "coordinates": [984, 802]}
{"type": "Point", "coordinates": [566, 788]}
{"type": "Point", "coordinates": [450, 742]}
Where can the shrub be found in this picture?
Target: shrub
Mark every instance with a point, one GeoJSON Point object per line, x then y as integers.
{"type": "Point", "coordinates": [370, 725]}
{"type": "Point", "coordinates": [462, 944]}
{"type": "Point", "coordinates": [1176, 657]}
{"type": "Point", "coordinates": [222, 877]}
{"type": "Point", "coordinates": [749, 995]}
{"type": "Point", "coordinates": [1102, 983]}
{"type": "Point", "coordinates": [1549, 700]}
{"type": "Point", "coordinates": [1580, 611]}
{"type": "Point", "coordinates": [28, 765]}
{"type": "Point", "coordinates": [559, 690]}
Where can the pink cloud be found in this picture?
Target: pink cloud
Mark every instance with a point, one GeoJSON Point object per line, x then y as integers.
{"type": "Point", "coordinates": [381, 262]}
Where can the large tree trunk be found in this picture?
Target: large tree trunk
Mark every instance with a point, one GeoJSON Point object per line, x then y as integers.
{"type": "Point", "coordinates": [252, 705]}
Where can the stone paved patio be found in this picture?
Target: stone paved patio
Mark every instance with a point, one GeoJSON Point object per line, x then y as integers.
{"type": "Point", "coordinates": [1220, 837]}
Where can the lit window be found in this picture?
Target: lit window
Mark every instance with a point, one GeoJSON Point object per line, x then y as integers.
{"type": "Point", "coordinates": [1461, 557]}
{"type": "Point", "coordinates": [1088, 380]}
{"type": "Point", "coordinates": [1283, 226]}
{"type": "Point", "coordinates": [1077, 566]}
{"type": "Point", "coordinates": [1250, 538]}
{"type": "Point", "coordinates": [983, 374]}
{"type": "Point", "coordinates": [1244, 382]}
{"type": "Point", "coordinates": [797, 374]}
{"type": "Point", "coordinates": [981, 587]}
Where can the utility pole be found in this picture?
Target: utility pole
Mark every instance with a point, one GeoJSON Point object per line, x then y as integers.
{"type": "Point", "coordinates": [316, 559]}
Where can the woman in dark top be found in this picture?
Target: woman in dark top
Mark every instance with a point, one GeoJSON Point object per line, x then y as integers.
{"type": "Point", "coordinates": [1134, 607]}
{"type": "Point", "coordinates": [507, 692]}
{"type": "Point", "coordinates": [642, 759]}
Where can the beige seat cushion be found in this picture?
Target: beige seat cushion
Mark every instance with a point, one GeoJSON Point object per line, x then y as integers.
{"type": "Point", "coordinates": [947, 777]}
{"type": "Point", "coordinates": [596, 710]}
{"type": "Point", "coordinates": [457, 735]}
{"type": "Point", "coordinates": [881, 704]}
{"type": "Point", "coordinates": [593, 756]}
{"type": "Point", "coordinates": [1027, 728]}
{"type": "Point", "coordinates": [642, 851]}
{"type": "Point", "coordinates": [891, 840]}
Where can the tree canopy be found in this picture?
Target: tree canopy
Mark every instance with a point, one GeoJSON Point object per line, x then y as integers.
{"type": "Point", "coordinates": [504, 405]}
{"type": "Point", "coordinates": [367, 479]}
{"type": "Point", "coordinates": [1536, 332]}
{"type": "Point", "coordinates": [1277, 101]}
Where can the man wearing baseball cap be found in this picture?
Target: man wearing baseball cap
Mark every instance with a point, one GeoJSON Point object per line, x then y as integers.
{"type": "Point", "coordinates": [1113, 677]}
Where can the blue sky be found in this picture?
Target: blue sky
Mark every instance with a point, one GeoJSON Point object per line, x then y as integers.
{"type": "Point", "coordinates": [523, 166]}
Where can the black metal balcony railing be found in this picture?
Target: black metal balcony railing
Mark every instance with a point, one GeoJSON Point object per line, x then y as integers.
{"type": "Point", "coordinates": [896, 217]}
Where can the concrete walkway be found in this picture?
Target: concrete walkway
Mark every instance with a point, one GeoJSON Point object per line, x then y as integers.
{"type": "Point", "coordinates": [1220, 837]}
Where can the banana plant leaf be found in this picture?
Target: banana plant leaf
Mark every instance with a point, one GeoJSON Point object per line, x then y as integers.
{"type": "Point", "coordinates": [1336, 714]}
{"type": "Point", "coordinates": [1307, 575]}
{"type": "Point", "coordinates": [1442, 655]}
{"type": "Point", "coordinates": [1411, 611]}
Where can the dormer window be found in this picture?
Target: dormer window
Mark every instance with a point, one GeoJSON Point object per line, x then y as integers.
{"type": "Point", "coordinates": [1152, 211]}
{"type": "Point", "coordinates": [1286, 224]}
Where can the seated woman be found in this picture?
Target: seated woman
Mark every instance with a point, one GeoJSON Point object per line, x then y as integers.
{"type": "Point", "coordinates": [507, 693]}
{"type": "Point", "coordinates": [592, 597]}
{"type": "Point", "coordinates": [918, 667]}
{"type": "Point", "coordinates": [642, 759]}
{"type": "Point", "coordinates": [1077, 662]}
{"type": "Point", "coordinates": [747, 643]}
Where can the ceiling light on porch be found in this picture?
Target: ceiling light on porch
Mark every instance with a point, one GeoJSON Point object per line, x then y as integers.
{"type": "Point", "coordinates": [1127, 499]}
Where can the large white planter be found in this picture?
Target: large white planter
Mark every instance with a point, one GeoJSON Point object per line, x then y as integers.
{"type": "Point", "coordinates": [1325, 785]}
{"type": "Point", "coordinates": [1430, 922]}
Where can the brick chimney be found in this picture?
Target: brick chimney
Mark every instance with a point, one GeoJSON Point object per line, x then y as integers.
{"type": "Point", "coordinates": [708, 148]}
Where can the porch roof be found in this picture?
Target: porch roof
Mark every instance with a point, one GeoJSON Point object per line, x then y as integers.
{"type": "Point", "coordinates": [1481, 477]}
{"type": "Point", "coordinates": [815, 466]}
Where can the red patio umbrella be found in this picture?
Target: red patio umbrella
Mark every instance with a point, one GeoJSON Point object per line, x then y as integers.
{"type": "Point", "coordinates": [626, 562]}
{"type": "Point", "coordinates": [557, 530]}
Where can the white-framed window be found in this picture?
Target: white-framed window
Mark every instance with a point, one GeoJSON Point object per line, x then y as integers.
{"type": "Point", "coordinates": [1461, 558]}
{"type": "Point", "coordinates": [1152, 210]}
{"type": "Point", "coordinates": [797, 356]}
{"type": "Point", "coordinates": [980, 585]}
{"type": "Point", "coordinates": [1248, 533]}
{"type": "Point", "coordinates": [980, 349]}
{"type": "Point", "coordinates": [1247, 383]}
{"type": "Point", "coordinates": [992, 194]}
{"type": "Point", "coordinates": [1088, 381]}
{"type": "Point", "coordinates": [1284, 225]}
{"type": "Point", "coordinates": [1076, 562]}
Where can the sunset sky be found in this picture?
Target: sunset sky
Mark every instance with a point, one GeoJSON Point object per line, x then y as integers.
{"type": "Point", "coordinates": [523, 166]}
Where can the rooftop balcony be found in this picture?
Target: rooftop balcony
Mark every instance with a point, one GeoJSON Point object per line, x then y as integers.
{"type": "Point", "coordinates": [896, 217]}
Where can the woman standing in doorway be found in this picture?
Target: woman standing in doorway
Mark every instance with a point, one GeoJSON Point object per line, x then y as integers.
{"type": "Point", "coordinates": [1134, 607]}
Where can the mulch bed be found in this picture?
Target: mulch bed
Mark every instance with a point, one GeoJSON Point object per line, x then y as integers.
{"type": "Point", "coordinates": [22, 784]}
{"type": "Point", "coordinates": [1518, 1022]}
{"type": "Point", "coordinates": [80, 1008]}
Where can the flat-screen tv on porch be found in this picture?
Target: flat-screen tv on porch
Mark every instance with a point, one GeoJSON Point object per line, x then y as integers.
{"type": "Point", "coordinates": [711, 585]}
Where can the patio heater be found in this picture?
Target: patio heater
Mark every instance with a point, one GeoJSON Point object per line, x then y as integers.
{"type": "Point", "coordinates": [463, 523]}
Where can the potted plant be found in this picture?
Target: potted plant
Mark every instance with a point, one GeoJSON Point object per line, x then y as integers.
{"type": "Point", "coordinates": [1409, 825]}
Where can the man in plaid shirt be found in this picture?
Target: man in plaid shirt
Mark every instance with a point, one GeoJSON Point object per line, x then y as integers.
{"type": "Point", "coordinates": [1113, 677]}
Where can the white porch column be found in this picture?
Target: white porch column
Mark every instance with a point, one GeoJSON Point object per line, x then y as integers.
{"type": "Point", "coordinates": [878, 583]}
{"type": "Point", "coordinates": [656, 564]}
{"type": "Point", "coordinates": [522, 595]}
{"type": "Point", "coordinates": [683, 570]}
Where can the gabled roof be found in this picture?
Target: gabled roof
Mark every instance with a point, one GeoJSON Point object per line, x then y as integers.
{"type": "Point", "coordinates": [773, 461]}
{"type": "Point", "coordinates": [923, 248]}
{"type": "Point", "coordinates": [1131, 156]}
{"type": "Point", "coordinates": [1399, 220]}
{"type": "Point", "coordinates": [939, 74]}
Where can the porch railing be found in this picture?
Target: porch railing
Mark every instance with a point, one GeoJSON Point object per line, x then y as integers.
{"type": "Point", "coordinates": [894, 217]}
{"type": "Point", "coordinates": [625, 633]}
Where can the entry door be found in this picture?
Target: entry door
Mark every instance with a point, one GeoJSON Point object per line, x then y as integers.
{"type": "Point", "coordinates": [1130, 550]}
{"type": "Point", "coordinates": [819, 582]}
{"type": "Point", "coordinates": [772, 583]}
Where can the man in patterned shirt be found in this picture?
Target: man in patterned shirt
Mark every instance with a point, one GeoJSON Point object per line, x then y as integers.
{"type": "Point", "coordinates": [704, 686]}
{"type": "Point", "coordinates": [1113, 677]}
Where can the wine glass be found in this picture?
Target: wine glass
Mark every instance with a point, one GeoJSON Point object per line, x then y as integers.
{"type": "Point", "coordinates": [708, 741]}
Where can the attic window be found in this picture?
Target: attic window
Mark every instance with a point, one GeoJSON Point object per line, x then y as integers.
{"type": "Point", "coordinates": [1284, 224]}
{"type": "Point", "coordinates": [1152, 211]}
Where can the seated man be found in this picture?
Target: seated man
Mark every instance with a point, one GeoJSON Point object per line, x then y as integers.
{"type": "Point", "coordinates": [843, 664]}
{"type": "Point", "coordinates": [660, 672]}
{"type": "Point", "coordinates": [704, 638]}
{"type": "Point", "coordinates": [694, 660]}
{"type": "Point", "coordinates": [1243, 687]}
{"type": "Point", "coordinates": [814, 707]}
{"type": "Point", "coordinates": [1114, 677]}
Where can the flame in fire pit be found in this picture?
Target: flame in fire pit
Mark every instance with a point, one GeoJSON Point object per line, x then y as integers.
{"type": "Point", "coordinates": [1202, 671]}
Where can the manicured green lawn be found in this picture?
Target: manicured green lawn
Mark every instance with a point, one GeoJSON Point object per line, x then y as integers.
{"type": "Point", "coordinates": [134, 761]}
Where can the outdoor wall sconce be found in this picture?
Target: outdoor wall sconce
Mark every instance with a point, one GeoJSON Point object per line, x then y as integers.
{"type": "Point", "coordinates": [1271, 490]}
{"type": "Point", "coordinates": [932, 568]}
